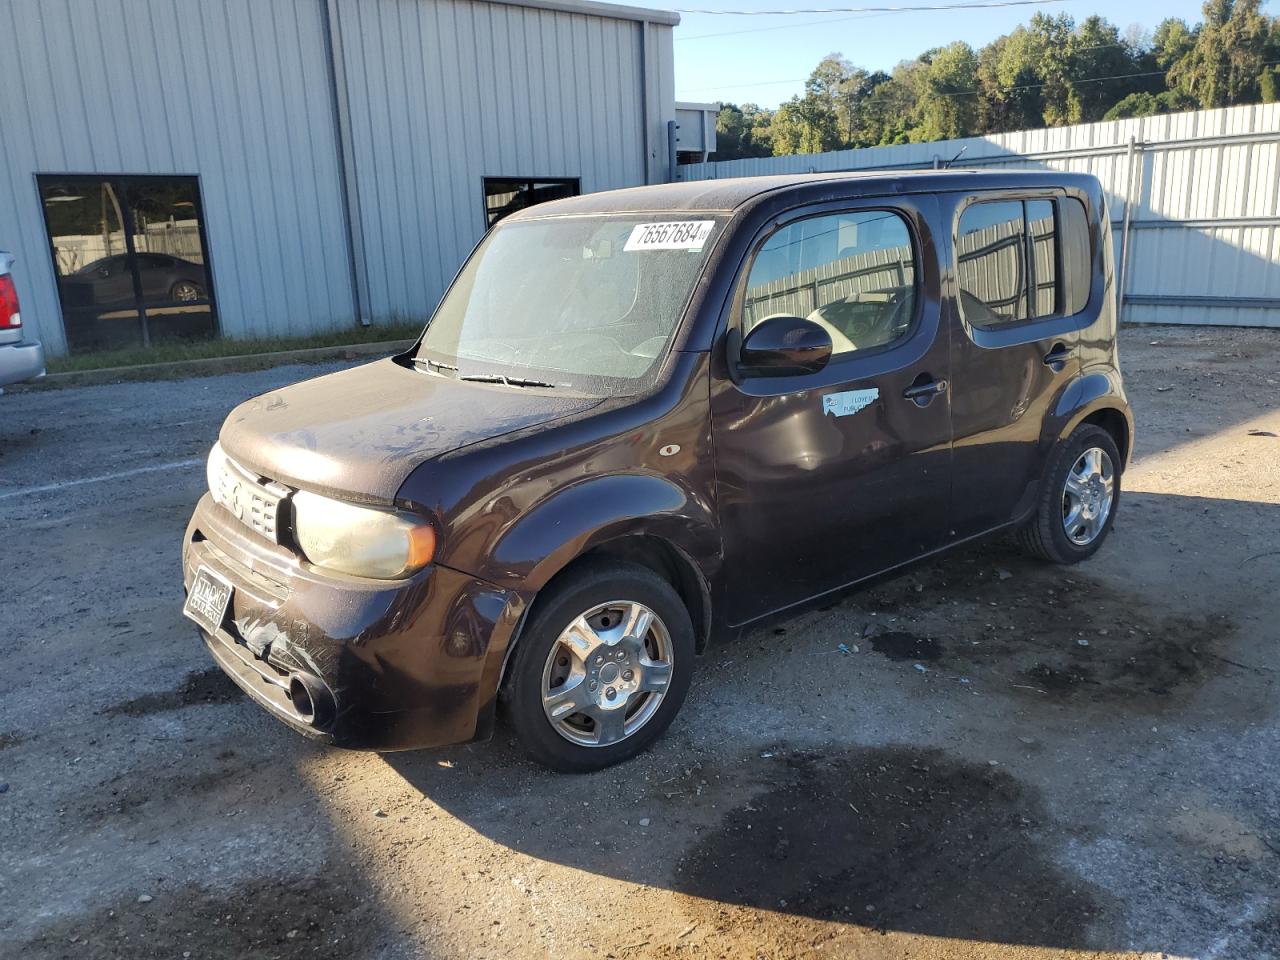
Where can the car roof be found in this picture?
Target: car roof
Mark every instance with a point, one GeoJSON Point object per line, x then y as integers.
{"type": "Point", "coordinates": [734, 194]}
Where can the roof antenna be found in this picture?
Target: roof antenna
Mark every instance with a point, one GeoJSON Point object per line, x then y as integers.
{"type": "Point", "coordinates": [947, 165]}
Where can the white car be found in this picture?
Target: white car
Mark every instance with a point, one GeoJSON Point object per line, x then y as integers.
{"type": "Point", "coordinates": [19, 360]}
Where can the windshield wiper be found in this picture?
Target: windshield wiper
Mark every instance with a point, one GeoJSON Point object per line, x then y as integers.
{"type": "Point", "coordinates": [434, 364]}
{"type": "Point", "coordinates": [509, 381]}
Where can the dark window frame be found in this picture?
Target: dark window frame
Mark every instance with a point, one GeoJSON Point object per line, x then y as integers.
{"type": "Point", "coordinates": [41, 178]}
{"type": "Point", "coordinates": [530, 183]}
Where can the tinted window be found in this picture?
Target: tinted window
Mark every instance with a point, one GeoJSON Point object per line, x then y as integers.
{"type": "Point", "coordinates": [1023, 260]}
{"type": "Point", "coordinates": [993, 263]}
{"type": "Point", "coordinates": [1077, 266]}
{"type": "Point", "coordinates": [129, 254]}
{"type": "Point", "coordinates": [504, 196]}
{"type": "Point", "coordinates": [1044, 264]}
{"type": "Point", "coordinates": [854, 274]}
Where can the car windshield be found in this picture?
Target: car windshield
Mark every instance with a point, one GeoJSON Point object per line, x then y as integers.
{"type": "Point", "coordinates": [587, 304]}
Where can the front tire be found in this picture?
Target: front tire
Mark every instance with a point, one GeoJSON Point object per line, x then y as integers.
{"type": "Point", "coordinates": [1078, 500]}
{"type": "Point", "coordinates": [601, 668]}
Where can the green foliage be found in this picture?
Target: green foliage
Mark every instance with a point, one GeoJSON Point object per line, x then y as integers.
{"type": "Point", "coordinates": [1223, 65]}
{"type": "Point", "coordinates": [744, 131]}
{"type": "Point", "coordinates": [1051, 72]}
{"type": "Point", "coordinates": [1269, 85]}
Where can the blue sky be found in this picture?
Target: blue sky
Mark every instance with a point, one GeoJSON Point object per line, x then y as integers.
{"type": "Point", "coordinates": [769, 66]}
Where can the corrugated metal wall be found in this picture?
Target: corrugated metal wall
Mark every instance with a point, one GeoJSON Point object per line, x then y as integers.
{"type": "Point", "coordinates": [235, 91]}
{"type": "Point", "coordinates": [1201, 189]}
{"type": "Point", "coordinates": [442, 94]}
{"type": "Point", "coordinates": [432, 95]}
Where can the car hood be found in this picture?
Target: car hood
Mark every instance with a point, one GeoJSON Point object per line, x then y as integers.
{"type": "Point", "coordinates": [361, 432]}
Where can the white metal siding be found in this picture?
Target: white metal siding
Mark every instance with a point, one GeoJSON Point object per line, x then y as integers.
{"type": "Point", "coordinates": [236, 92]}
{"type": "Point", "coordinates": [435, 94]}
{"type": "Point", "coordinates": [1204, 190]}
{"type": "Point", "coordinates": [442, 93]}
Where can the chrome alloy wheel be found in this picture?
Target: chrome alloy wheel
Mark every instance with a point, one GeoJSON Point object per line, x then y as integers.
{"type": "Point", "coordinates": [1087, 496]}
{"type": "Point", "coordinates": [607, 673]}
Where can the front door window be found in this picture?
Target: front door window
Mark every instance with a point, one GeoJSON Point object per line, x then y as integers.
{"type": "Point", "coordinates": [130, 258]}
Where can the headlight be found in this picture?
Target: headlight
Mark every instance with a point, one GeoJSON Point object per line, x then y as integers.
{"type": "Point", "coordinates": [215, 469]}
{"type": "Point", "coordinates": [361, 541]}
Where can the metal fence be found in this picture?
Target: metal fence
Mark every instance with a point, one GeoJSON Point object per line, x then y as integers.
{"type": "Point", "coordinates": [1194, 197]}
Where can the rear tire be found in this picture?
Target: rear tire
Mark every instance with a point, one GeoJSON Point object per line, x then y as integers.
{"type": "Point", "coordinates": [601, 668]}
{"type": "Point", "coordinates": [1078, 499]}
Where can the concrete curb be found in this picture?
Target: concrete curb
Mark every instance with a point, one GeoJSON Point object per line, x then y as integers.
{"type": "Point", "coordinates": [211, 366]}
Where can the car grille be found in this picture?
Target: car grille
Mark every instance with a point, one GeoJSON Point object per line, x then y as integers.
{"type": "Point", "coordinates": [256, 502]}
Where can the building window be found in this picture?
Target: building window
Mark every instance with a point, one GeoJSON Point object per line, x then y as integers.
{"type": "Point", "coordinates": [1023, 260]}
{"type": "Point", "coordinates": [130, 258]}
{"type": "Point", "coordinates": [506, 195]}
{"type": "Point", "coordinates": [853, 274]}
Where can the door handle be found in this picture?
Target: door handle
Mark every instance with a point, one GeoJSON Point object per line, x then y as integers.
{"type": "Point", "coordinates": [1056, 359]}
{"type": "Point", "coordinates": [924, 389]}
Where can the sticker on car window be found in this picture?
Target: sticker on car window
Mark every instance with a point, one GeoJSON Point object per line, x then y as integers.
{"type": "Point", "coordinates": [675, 235]}
{"type": "Point", "coordinates": [849, 402]}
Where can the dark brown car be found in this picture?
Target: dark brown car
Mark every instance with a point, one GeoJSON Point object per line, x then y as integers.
{"type": "Point", "coordinates": [642, 421]}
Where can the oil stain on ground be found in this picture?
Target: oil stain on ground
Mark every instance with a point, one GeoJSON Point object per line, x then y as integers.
{"type": "Point", "coordinates": [895, 839]}
{"type": "Point", "coordinates": [1070, 637]}
{"type": "Point", "coordinates": [320, 917]}
{"type": "Point", "coordinates": [203, 686]}
{"type": "Point", "coordinates": [900, 645]}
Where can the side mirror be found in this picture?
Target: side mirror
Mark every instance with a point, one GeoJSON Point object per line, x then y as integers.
{"type": "Point", "coordinates": [785, 347]}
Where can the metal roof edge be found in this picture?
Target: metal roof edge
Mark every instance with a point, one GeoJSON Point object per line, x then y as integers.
{"type": "Point", "coordinates": [594, 8]}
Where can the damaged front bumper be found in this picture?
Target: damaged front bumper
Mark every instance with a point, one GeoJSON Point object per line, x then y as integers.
{"type": "Point", "coordinates": [385, 665]}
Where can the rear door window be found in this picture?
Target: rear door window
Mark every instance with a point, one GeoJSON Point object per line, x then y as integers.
{"type": "Point", "coordinates": [1020, 260]}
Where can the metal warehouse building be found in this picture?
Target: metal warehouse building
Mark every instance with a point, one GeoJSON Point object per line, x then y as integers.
{"type": "Point", "coordinates": [283, 167]}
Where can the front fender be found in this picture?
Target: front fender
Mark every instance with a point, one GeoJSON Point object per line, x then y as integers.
{"type": "Point", "coordinates": [578, 518]}
{"type": "Point", "coordinates": [591, 512]}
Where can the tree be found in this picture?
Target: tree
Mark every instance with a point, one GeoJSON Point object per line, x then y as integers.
{"type": "Point", "coordinates": [836, 84]}
{"type": "Point", "coordinates": [1009, 84]}
{"type": "Point", "coordinates": [1269, 85]}
{"type": "Point", "coordinates": [1223, 67]}
{"type": "Point", "coordinates": [738, 132]}
{"type": "Point", "coordinates": [804, 125]}
{"type": "Point", "coordinates": [1172, 41]}
{"type": "Point", "coordinates": [947, 107]}
{"type": "Point", "coordinates": [1050, 72]}
{"type": "Point", "coordinates": [1102, 69]}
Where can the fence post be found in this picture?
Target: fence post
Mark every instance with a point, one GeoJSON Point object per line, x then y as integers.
{"type": "Point", "coordinates": [1123, 280]}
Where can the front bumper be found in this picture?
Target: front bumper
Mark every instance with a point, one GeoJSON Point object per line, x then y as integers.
{"type": "Point", "coordinates": [410, 663]}
{"type": "Point", "coordinates": [20, 361]}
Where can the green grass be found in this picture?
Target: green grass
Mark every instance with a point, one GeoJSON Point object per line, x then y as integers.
{"type": "Point", "coordinates": [206, 349]}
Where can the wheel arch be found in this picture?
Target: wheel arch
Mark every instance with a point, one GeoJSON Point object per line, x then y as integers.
{"type": "Point", "coordinates": [1113, 421]}
{"type": "Point", "coordinates": [653, 552]}
{"type": "Point", "coordinates": [1098, 399]}
{"type": "Point", "coordinates": [635, 518]}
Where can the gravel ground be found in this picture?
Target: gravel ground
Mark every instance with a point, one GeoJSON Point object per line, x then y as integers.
{"type": "Point", "coordinates": [1011, 760]}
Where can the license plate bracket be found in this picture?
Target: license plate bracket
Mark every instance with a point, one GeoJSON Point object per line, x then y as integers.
{"type": "Point", "coordinates": [208, 600]}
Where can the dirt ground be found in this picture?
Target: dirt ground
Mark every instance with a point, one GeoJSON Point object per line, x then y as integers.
{"type": "Point", "coordinates": [987, 757]}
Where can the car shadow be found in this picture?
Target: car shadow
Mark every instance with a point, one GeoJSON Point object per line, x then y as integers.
{"type": "Point", "coordinates": [880, 809]}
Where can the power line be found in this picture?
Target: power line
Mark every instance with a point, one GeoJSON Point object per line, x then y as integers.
{"type": "Point", "coordinates": [780, 26]}
{"type": "Point", "coordinates": [970, 5]}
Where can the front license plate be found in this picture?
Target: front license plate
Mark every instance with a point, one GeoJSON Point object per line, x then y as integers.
{"type": "Point", "coordinates": [208, 600]}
